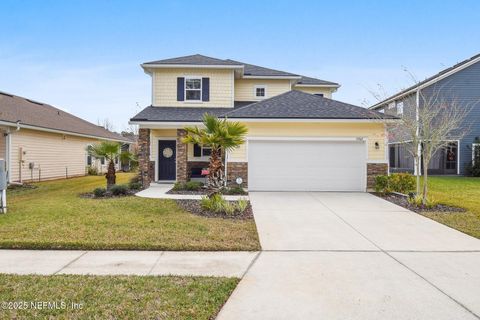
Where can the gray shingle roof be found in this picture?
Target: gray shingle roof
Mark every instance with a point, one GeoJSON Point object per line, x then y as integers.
{"type": "Point", "coordinates": [315, 81]}
{"type": "Point", "coordinates": [253, 70]}
{"type": "Point", "coordinates": [289, 105]}
{"type": "Point", "coordinates": [378, 104]}
{"type": "Point", "coordinates": [196, 59]}
{"type": "Point", "coordinates": [300, 105]}
{"type": "Point", "coordinates": [249, 69]}
{"type": "Point", "coordinates": [188, 114]}
{"type": "Point", "coordinates": [14, 108]}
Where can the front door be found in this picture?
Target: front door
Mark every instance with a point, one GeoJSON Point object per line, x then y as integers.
{"type": "Point", "coordinates": [167, 156]}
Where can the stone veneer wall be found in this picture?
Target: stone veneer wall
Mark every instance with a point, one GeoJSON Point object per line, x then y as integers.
{"type": "Point", "coordinates": [182, 154]}
{"type": "Point", "coordinates": [375, 169]}
{"type": "Point", "coordinates": [235, 170]}
{"type": "Point", "coordinates": [146, 170]}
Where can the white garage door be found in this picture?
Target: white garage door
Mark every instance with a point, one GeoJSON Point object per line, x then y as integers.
{"type": "Point", "coordinates": [306, 165]}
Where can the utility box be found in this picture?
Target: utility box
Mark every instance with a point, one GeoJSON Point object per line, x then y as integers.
{"type": "Point", "coordinates": [3, 175]}
{"type": "Point", "coordinates": [3, 186]}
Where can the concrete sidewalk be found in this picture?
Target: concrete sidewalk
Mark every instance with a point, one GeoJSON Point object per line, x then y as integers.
{"type": "Point", "coordinates": [49, 262]}
{"type": "Point", "coordinates": [354, 256]}
{"type": "Point", "coordinates": [159, 191]}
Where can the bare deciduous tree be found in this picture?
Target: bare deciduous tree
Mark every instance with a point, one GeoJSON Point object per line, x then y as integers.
{"type": "Point", "coordinates": [431, 119]}
{"type": "Point", "coordinates": [106, 124]}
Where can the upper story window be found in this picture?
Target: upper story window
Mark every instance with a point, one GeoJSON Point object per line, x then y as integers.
{"type": "Point", "coordinates": [381, 110]}
{"type": "Point", "coordinates": [400, 108]}
{"type": "Point", "coordinates": [260, 92]}
{"type": "Point", "coordinates": [193, 89]}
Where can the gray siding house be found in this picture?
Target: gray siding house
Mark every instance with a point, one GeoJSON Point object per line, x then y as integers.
{"type": "Point", "coordinates": [459, 83]}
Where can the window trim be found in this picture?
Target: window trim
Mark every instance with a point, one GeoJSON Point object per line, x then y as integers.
{"type": "Point", "coordinates": [185, 99]}
{"type": "Point", "coordinates": [203, 148]}
{"type": "Point", "coordinates": [260, 86]}
{"type": "Point", "coordinates": [399, 106]}
{"type": "Point", "coordinates": [202, 156]}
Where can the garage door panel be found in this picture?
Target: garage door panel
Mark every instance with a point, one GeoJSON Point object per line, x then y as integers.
{"type": "Point", "coordinates": [306, 166]}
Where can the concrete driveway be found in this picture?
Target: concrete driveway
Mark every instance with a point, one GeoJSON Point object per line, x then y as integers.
{"type": "Point", "coordinates": [354, 256]}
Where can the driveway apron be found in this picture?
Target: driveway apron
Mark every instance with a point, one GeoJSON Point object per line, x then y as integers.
{"type": "Point", "coordinates": [333, 255]}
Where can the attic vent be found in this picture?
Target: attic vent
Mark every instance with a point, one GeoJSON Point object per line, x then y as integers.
{"type": "Point", "coordinates": [6, 94]}
{"type": "Point", "coordinates": [36, 102]}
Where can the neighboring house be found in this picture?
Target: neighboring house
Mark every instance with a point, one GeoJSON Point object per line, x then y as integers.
{"type": "Point", "coordinates": [298, 137]}
{"type": "Point", "coordinates": [39, 141]}
{"type": "Point", "coordinates": [459, 84]}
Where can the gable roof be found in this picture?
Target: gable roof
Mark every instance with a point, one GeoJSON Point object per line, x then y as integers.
{"type": "Point", "coordinates": [427, 82]}
{"type": "Point", "coordinates": [15, 109]}
{"type": "Point", "coordinates": [300, 105]}
{"type": "Point", "coordinates": [289, 105]}
{"type": "Point", "coordinates": [195, 59]}
{"type": "Point", "coordinates": [254, 70]}
{"type": "Point", "coordinates": [249, 70]}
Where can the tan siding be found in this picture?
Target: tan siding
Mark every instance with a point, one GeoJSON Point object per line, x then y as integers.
{"type": "Point", "coordinates": [239, 154]}
{"type": "Point", "coordinates": [3, 145]}
{"type": "Point", "coordinates": [155, 135]}
{"type": "Point", "coordinates": [165, 87]}
{"type": "Point", "coordinates": [374, 132]}
{"type": "Point", "coordinates": [51, 152]}
{"type": "Point", "coordinates": [244, 88]}
{"type": "Point", "coordinates": [327, 92]}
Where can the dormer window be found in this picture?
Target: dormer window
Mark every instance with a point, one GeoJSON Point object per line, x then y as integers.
{"type": "Point", "coordinates": [193, 89]}
{"type": "Point", "coordinates": [260, 92]}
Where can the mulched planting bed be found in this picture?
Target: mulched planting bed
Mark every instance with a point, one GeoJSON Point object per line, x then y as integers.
{"type": "Point", "coordinates": [188, 192]}
{"type": "Point", "coordinates": [202, 192]}
{"type": "Point", "coordinates": [90, 195]}
{"type": "Point", "coordinates": [194, 207]}
{"type": "Point", "coordinates": [403, 202]}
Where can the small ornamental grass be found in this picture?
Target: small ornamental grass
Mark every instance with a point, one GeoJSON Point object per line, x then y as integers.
{"type": "Point", "coordinates": [217, 204]}
{"type": "Point", "coordinates": [189, 186]}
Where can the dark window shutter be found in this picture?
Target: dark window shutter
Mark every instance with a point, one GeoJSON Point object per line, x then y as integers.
{"type": "Point", "coordinates": [197, 150]}
{"type": "Point", "coordinates": [180, 89]}
{"type": "Point", "coordinates": [205, 89]}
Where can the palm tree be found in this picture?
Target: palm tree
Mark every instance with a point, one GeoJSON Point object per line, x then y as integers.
{"type": "Point", "coordinates": [220, 135]}
{"type": "Point", "coordinates": [108, 150]}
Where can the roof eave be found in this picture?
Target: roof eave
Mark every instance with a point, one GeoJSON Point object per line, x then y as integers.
{"type": "Point", "coordinates": [426, 84]}
{"type": "Point", "coordinates": [197, 66]}
{"type": "Point", "coordinates": [71, 133]}
{"type": "Point", "coordinates": [271, 77]}
{"type": "Point", "coordinates": [336, 85]}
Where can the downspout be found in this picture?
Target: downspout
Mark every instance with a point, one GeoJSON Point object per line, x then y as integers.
{"type": "Point", "coordinates": [9, 151]}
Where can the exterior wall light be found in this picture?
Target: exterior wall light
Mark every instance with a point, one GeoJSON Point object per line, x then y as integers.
{"type": "Point", "coordinates": [377, 145]}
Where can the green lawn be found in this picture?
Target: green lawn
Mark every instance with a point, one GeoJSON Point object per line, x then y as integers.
{"type": "Point", "coordinates": [463, 192]}
{"type": "Point", "coordinates": [115, 297]}
{"type": "Point", "coordinates": [53, 216]}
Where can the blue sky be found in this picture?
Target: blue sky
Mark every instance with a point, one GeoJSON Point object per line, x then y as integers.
{"type": "Point", "coordinates": [84, 56]}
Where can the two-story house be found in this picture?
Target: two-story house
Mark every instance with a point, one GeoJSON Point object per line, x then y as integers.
{"type": "Point", "coordinates": [298, 137]}
{"type": "Point", "coordinates": [459, 85]}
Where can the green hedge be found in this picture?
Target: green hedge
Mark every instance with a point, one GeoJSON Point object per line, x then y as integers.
{"type": "Point", "coordinates": [396, 182]}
